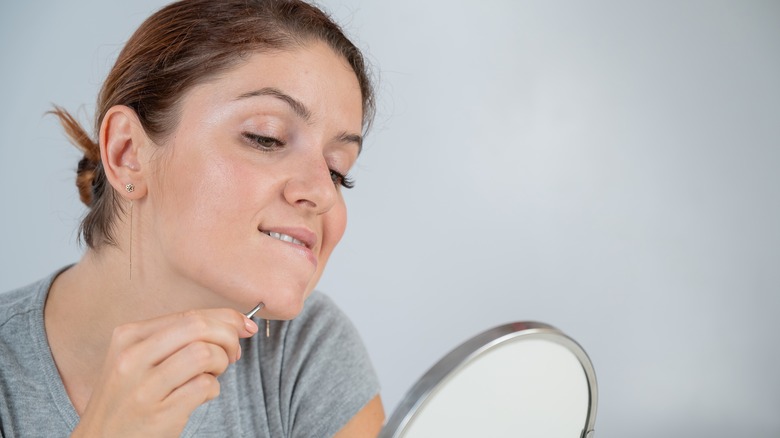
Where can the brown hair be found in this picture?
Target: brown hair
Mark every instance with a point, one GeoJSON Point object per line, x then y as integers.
{"type": "Point", "coordinates": [180, 46]}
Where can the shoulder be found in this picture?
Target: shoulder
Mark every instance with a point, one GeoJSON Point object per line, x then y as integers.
{"type": "Point", "coordinates": [21, 315]}
{"type": "Point", "coordinates": [323, 328]}
{"type": "Point", "coordinates": [30, 401]}
{"type": "Point", "coordinates": [21, 302]}
{"type": "Point", "coordinates": [327, 368]}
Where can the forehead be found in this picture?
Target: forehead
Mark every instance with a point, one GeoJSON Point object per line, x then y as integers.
{"type": "Point", "coordinates": [313, 74]}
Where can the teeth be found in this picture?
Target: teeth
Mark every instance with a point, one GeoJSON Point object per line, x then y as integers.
{"type": "Point", "coordinates": [285, 238]}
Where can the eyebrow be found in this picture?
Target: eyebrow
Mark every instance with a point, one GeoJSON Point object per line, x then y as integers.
{"type": "Point", "coordinates": [345, 137]}
{"type": "Point", "coordinates": [296, 105]}
{"type": "Point", "coordinates": [300, 109]}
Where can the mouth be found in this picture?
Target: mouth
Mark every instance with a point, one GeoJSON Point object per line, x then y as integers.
{"type": "Point", "coordinates": [297, 240]}
{"type": "Point", "coordinates": [296, 236]}
{"type": "Point", "coordinates": [285, 238]}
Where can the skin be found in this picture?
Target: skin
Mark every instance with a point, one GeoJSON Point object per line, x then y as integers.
{"type": "Point", "coordinates": [141, 330]}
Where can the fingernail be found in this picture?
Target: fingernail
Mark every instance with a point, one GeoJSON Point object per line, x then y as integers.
{"type": "Point", "coordinates": [250, 326]}
{"type": "Point", "coordinates": [238, 356]}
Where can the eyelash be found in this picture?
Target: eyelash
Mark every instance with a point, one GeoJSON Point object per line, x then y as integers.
{"type": "Point", "coordinates": [342, 180]}
{"type": "Point", "coordinates": [261, 142]}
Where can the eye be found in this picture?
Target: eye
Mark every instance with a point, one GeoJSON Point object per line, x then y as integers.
{"type": "Point", "coordinates": [263, 142]}
{"type": "Point", "coordinates": [339, 179]}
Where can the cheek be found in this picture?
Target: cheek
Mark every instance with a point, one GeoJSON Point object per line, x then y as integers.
{"type": "Point", "coordinates": [208, 196]}
{"type": "Point", "coordinates": [333, 229]}
{"type": "Point", "coordinates": [194, 191]}
{"type": "Point", "coordinates": [334, 225]}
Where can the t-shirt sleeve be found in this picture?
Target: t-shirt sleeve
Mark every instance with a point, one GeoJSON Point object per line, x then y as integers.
{"type": "Point", "coordinates": [327, 375]}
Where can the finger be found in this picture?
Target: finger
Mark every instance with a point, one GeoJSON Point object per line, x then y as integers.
{"type": "Point", "coordinates": [135, 332]}
{"type": "Point", "coordinates": [193, 393]}
{"type": "Point", "coordinates": [217, 326]}
{"type": "Point", "coordinates": [187, 363]}
{"type": "Point", "coordinates": [244, 326]}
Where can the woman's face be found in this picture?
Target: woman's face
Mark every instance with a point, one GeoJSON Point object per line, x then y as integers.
{"type": "Point", "coordinates": [245, 205]}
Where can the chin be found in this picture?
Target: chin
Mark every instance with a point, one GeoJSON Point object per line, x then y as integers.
{"type": "Point", "coordinates": [284, 305]}
{"type": "Point", "coordinates": [283, 301]}
{"type": "Point", "coordinates": [283, 290]}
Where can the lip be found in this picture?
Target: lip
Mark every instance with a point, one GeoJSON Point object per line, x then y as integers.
{"type": "Point", "coordinates": [304, 235]}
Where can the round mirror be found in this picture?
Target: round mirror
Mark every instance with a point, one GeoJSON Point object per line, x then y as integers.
{"type": "Point", "coordinates": [524, 379]}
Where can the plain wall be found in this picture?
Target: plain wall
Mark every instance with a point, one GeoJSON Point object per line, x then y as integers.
{"type": "Point", "coordinates": [610, 168]}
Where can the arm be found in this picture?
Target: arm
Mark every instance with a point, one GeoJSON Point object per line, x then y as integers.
{"type": "Point", "coordinates": [366, 423]}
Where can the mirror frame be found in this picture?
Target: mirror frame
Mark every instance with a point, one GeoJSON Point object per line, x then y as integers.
{"type": "Point", "coordinates": [437, 375]}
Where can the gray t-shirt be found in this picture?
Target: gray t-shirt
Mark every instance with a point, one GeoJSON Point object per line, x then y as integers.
{"type": "Point", "coordinates": [307, 380]}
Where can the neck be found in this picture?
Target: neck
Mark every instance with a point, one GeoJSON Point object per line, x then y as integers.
{"type": "Point", "coordinates": [89, 300]}
{"type": "Point", "coordinates": [100, 292]}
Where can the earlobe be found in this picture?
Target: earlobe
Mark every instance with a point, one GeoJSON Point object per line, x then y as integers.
{"type": "Point", "coordinates": [121, 139]}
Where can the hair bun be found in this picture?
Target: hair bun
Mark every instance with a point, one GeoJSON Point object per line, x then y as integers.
{"type": "Point", "coordinates": [86, 171]}
{"type": "Point", "coordinates": [85, 179]}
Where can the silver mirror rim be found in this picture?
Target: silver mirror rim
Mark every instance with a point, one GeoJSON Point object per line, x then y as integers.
{"type": "Point", "coordinates": [438, 374]}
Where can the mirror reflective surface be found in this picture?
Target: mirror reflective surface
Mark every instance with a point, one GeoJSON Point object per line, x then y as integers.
{"type": "Point", "coordinates": [524, 379]}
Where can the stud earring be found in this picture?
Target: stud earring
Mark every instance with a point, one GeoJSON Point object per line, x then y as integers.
{"type": "Point", "coordinates": [130, 188]}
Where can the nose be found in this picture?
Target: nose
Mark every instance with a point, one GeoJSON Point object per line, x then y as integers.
{"type": "Point", "coordinates": [311, 187]}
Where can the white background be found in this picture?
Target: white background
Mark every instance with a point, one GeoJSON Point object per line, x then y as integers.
{"type": "Point", "coordinates": [610, 168]}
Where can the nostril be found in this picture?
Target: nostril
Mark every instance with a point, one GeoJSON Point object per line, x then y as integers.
{"type": "Point", "coordinates": [306, 203]}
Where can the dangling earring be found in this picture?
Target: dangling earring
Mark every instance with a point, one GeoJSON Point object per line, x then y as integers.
{"type": "Point", "coordinates": [131, 239]}
{"type": "Point", "coordinates": [130, 188]}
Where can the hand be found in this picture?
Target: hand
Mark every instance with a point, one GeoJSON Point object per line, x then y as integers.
{"type": "Point", "coordinates": [158, 371]}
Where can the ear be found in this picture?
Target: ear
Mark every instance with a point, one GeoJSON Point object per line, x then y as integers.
{"type": "Point", "coordinates": [121, 139]}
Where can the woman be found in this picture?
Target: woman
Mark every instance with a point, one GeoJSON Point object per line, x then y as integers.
{"type": "Point", "coordinates": [225, 132]}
